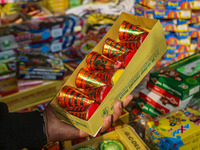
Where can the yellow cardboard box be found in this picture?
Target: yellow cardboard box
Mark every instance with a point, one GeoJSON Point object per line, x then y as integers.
{"type": "Point", "coordinates": [33, 96]}
{"type": "Point", "coordinates": [126, 135]}
{"type": "Point", "coordinates": [151, 50]}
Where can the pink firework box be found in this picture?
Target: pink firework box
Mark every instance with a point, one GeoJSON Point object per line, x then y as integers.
{"type": "Point", "coordinates": [160, 103]}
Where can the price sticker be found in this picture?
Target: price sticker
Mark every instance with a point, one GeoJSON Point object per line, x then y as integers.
{"type": "Point", "coordinates": [56, 47]}
{"type": "Point", "coordinates": [182, 27]}
{"type": "Point", "coordinates": [186, 14]}
{"type": "Point", "coordinates": [56, 33]}
{"type": "Point", "coordinates": [193, 46]}
{"type": "Point", "coordinates": [196, 4]}
{"type": "Point", "coordinates": [184, 41]}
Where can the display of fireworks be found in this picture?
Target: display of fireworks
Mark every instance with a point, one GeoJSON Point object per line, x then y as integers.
{"type": "Point", "coordinates": [102, 71]}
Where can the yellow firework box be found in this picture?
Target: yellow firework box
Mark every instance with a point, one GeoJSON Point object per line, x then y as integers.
{"type": "Point", "coordinates": [177, 130]}
{"type": "Point", "coordinates": [126, 137]}
{"type": "Point", "coordinates": [150, 51]}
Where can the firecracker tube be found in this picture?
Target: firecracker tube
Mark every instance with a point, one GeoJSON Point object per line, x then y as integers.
{"type": "Point", "coordinates": [131, 45]}
{"type": "Point", "coordinates": [124, 58]}
{"type": "Point", "coordinates": [70, 96]}
{"type": "Point", "coordinates": [112, 48]}
{"type": "Point", "coordinates": [130, 32]}
{"type": "Point", "coordinates": [97, 61]}
{"type": "Point", "coordinates": [87, 79]}
{"type": "Point", "coordinates": [109, 76]}
{"type": "Point", "coordinates": [98, 93]}
{"type": "Point", "coordinates": [83, 112]}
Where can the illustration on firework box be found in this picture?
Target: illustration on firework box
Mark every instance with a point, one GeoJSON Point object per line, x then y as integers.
{"type": "Point", "coordinates": [180, 78]}
{"type": "Point", "coordinates": [174, 129]}
{"type": "Point", "coordinates": [85, 94]}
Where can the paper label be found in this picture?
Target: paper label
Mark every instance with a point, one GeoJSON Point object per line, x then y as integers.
{"type": "Point", "coordinates": [56, 33]}
{"type": "Point", "coordinates": [56, 47]}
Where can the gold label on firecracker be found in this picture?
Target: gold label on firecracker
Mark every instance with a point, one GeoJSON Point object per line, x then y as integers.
{"type": "Point", "coordinates": [132, 45]}
{"type": "Point", "coordinates": [87, 79]}
{"type": "Point", "coordinates": [69, 96]}
{"type": "Point", "coordinates": [79, 111]}
{"type": "Point", "coordinates": [130, 32]}
{"type": "Point", "coordinates": [83, 112]}
{"type": "Point", "coordinates": [96, 61]}
{"type": "Point", "coordinates": [124, 58]}
{"type": "Point", "coordinates": [112, 48]}
{"type": "Point", "coordinates": [106, 75]}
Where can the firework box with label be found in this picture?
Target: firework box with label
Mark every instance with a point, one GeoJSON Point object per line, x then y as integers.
{"type": "Point", "coordinates": [181, 78]}
{"type": "Point", "coordinates": [47, 29]}
{"type": "Point", "coordinates": [147, 108]}
{"type": "Point", "coordinates": [160, 103]}
{"type": "Point", "coordinates": [40, 66]}
{"type": "Point", "coordinates": [194, 33]}
{"type": "Point", "coordinates": [53, 46]}
{"type": "Point", "coordinates": [177, 48]}
{"type": "Point", "coordinates": [175, 130]}
{"type": "Point", "coordinates": [152, 3]}
{"type": "Point", "coordinates": [143, 11]}
{"type": "Point", "coordinates": [174, 56]}
{"type": "Point", "coordinates": [171, 26]}
{"type": "Point", "coordinates": [31, 96]}
{"type": "Point", "coordinates": [8, 65]}
{"type": "Point", "coordinates": [168, 96]}
{"type": "Point", "coordinates": [172, 39]}
{"type": "Point", "coordinates": [177, 4]}
{"type": "Point", "coordinates": [172, 14]}
{"type": "Point", "coordinates": [126, 135]}
{"type": "Point", "coordinates": [194, 4]}
{"type": "Point", "coordinates": [151, 50]}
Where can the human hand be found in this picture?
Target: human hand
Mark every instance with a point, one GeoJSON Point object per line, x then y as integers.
{"type": "Point", "coordinates": [57, 130]}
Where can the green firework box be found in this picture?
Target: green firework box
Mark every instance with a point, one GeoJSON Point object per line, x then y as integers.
{"type": "Point", "coordinates": [181, 79]}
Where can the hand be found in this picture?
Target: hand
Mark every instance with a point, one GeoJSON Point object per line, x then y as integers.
{"type": "Point", "coordinates": [56, 130]}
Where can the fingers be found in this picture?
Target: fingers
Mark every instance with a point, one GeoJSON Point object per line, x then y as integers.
{"type": "Point", "coordinates": [117, 110]}
{"type": "Point", "coordinates": [83, 134]}
{"type": "Point", "coordinates": [109, 119]}
{"type": "Point", "coordinates": [127, 100]}
{"type": "Point", "coordinates": [106, 123]}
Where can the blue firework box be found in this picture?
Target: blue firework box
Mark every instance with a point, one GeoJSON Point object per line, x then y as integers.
{"type": "Point", "coordinates": [49, 28]}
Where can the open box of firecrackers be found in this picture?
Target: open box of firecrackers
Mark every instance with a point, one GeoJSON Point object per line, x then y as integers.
{"type": "Point", "coordinates": [110, 72]}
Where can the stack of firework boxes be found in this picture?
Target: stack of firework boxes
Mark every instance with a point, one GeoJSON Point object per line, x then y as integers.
{"type": "Point", "coordinates": [36, 49]}
{"type": "Point", "coordinates": [42, 45]}
{"type": "Point", "coordinates": [171, 88]}
{"type": "Point", "coordinates": [181, 23]}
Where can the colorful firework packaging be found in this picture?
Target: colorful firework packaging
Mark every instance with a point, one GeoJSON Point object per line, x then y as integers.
{"type": "Point", "coordinates": [87, 79]}
{"type": "Point", "coordinates": [71, 97]}
{"type": "Point", "coordinates": [97, 61]}
{"type": "Point", "coordinates": [83, 112]}
{"type": "Point", "coordinates": [98, 93]}
{"type": "Point", "coordinates": [130, 32]}
{"type": "Point", "coordinates": [177, 130]}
